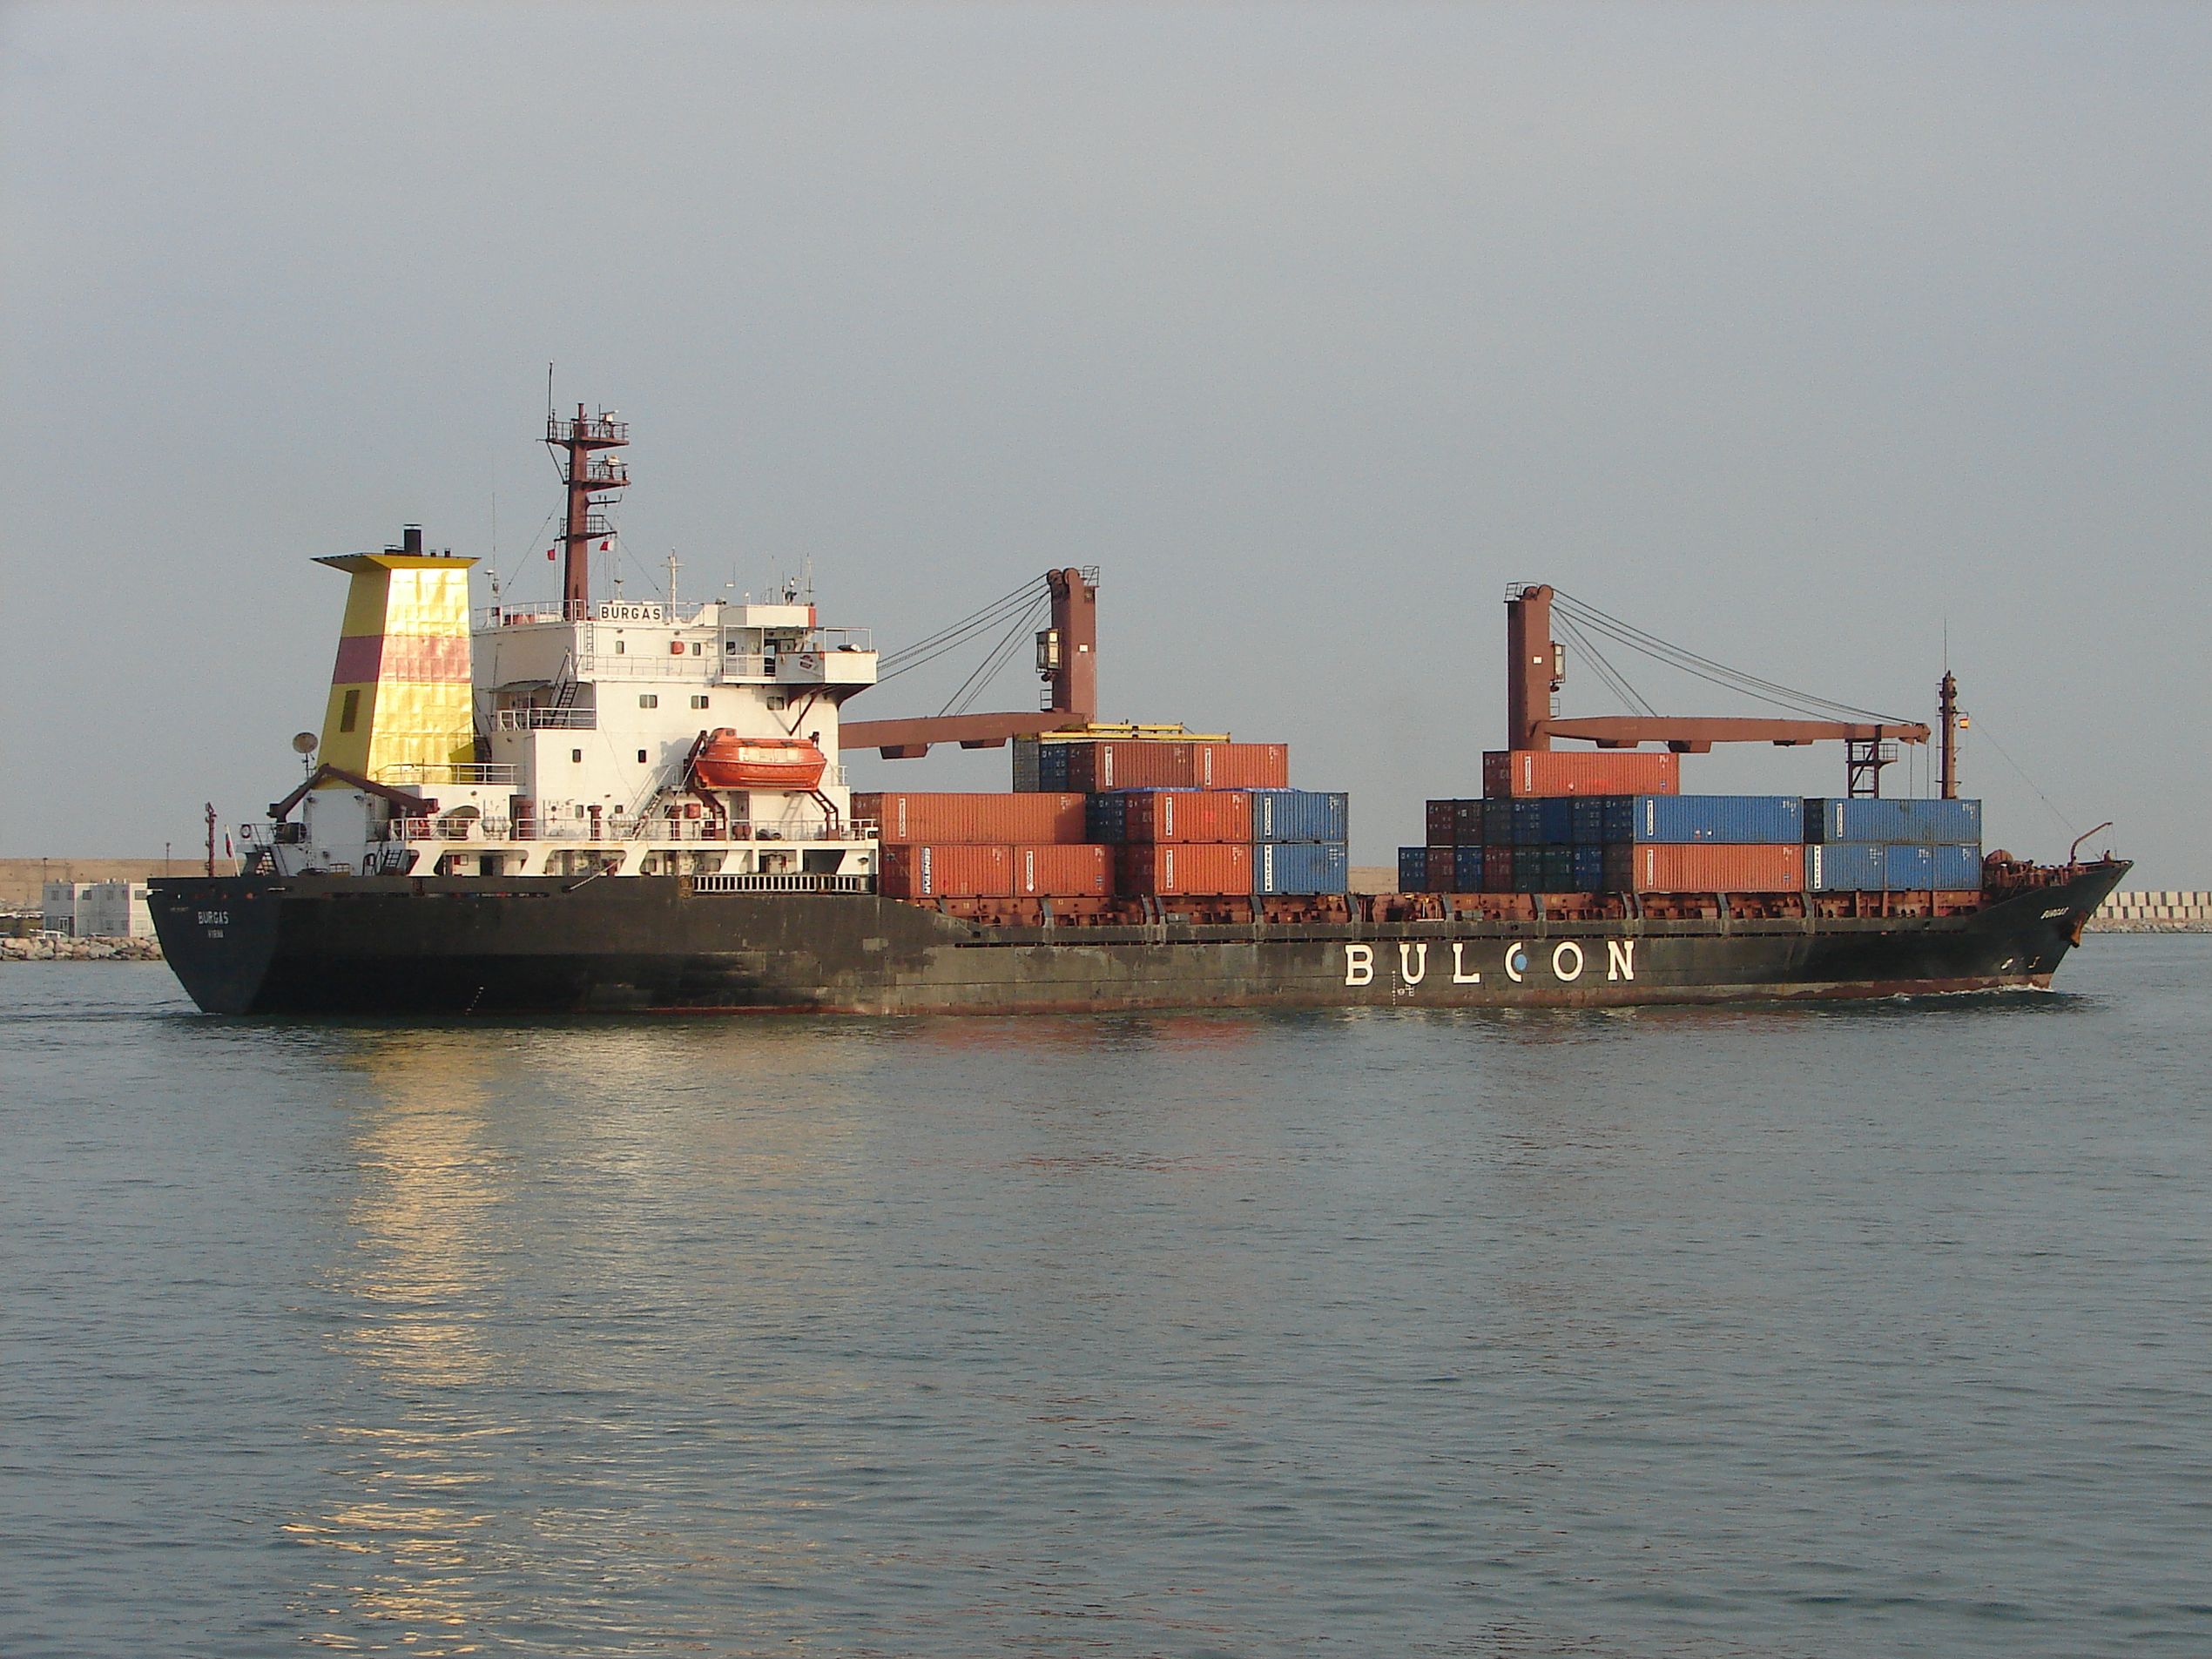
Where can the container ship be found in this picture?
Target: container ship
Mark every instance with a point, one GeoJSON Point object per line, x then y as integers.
{"type": "Point", "coordinates": [581, 806]}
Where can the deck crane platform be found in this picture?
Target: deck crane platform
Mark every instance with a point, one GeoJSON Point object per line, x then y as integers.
{"type": "Point", "coordinates": [1535, 667]}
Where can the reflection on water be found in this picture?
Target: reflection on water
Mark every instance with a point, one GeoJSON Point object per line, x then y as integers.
{"type": "Point", "coordinates": [509, 1288]}
{"type": "Point", "coordinates": [1775, 1332]}
{"type": "Point", "coordinates": [428, 1186]}
{"type": "Point", "coordinates": [419, 1283]}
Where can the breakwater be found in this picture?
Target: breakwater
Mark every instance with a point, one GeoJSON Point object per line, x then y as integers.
{"type": "Point", "coordinates": [2154, 911]}
{"type": "Point", "coordinates": [45, 948]}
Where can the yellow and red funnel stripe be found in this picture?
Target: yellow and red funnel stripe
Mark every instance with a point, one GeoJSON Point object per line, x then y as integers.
{"type": "Point", "coordinates": [400, 707]}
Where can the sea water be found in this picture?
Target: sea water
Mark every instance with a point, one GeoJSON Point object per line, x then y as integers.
{"type": "Point", "coordinates": [1873, 1330]}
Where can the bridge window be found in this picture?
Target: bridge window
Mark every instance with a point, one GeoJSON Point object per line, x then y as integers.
{"type": "Point", "coordinates": [641, 757]}
{"type": "Point", "coordinates": [577, 755]}
{"type": "Point", "coordinates": [649, 700]}
{"type": "Point", "coordinates": [698, 701]}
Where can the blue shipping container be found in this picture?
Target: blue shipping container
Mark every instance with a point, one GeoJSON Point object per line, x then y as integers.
{"type": "Point", "coordinates": [1300, 815]}
{"type": "Point", "coordinates": [1589, 868]}
{"type": "Point", "coordinates": [1742, 820]}
{"type": "Point", "coordinates": [1039, 766]}
{"type": "Point", "coordinates": [1843, 867]}
{"type": "Point", "coordinates": [1905, 867]}
{"type": "Point", "coordinates": [1869, 867]}
{"type": "Point", "coordinates": [1592, 817]}
{"type": "Point", "coordinates": [1106, 817]}
{"type": "Point", "coordinates": [1930, 823]}
{"type": "Point", "coordinates": [1614, 818]}
{"type": "Point", "coordinates": [1466, 869]}
{"type": "Point", "coordinates": [1281, 869]}
{"type": "Point", "coordinates": [1543, 820]}
{"type": "Point", "coordinates": [1413, 869]}
{"type": "Point", "coordinates": [1958, 869]}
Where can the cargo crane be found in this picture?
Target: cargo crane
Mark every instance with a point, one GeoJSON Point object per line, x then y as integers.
{"type": "Point", "coordinates": [1067, 658]}
{"type": "Point", "coordinates": [1535, 667]}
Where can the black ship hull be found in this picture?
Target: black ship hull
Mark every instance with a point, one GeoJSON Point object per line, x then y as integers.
{"type": "Point", "coordinates": [476, 945]}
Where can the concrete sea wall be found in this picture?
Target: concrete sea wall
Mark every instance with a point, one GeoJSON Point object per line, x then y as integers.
{"type": "Point", "coordinates": [2156, 910]}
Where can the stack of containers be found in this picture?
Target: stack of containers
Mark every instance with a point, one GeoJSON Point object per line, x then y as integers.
{"type": "Point", "coordinates": [1453, 860]}
{"type": "Point", "coordinates": [1701, 843]}
{"type": "Point", "coordinates": [1561, 822]}
{"type": "Point", "coordinates": [985, 846]}
{"type": "Point", "coordinates": [1869, 844]}
{"type": "Point", "coordinates": [1301, 842]}
{"type": "Point", "coordinates": [1261, 843]}
{"type": "Point", "coordinates": [1508, 842]}
{"type": "Point", "coordinates": [1039, 766]}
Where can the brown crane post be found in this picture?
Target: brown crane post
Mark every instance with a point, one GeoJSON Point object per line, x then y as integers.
{"type": "Point", "coordinates": [1067, 661]}
{"type": "Point", "coordinates": [1532, 666]}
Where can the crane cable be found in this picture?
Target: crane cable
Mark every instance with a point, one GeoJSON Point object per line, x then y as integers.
{"type": "Point", "coordinates": [1705, 668]}
{"type": "Point", "coordinates": [974, 685]}
{"type": "Point", "coordinates": [1631, 699]}
{"type": "Point", "coordinates": [1018, 603]}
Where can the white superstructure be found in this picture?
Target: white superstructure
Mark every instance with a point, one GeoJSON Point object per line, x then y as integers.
{"type": "Point", "coordinates": [572, 738]}
{"type": "Point", "coordinates": [589, 729]}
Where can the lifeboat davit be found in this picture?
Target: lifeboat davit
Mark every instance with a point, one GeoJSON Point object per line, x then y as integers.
{"type": "Point", "coordinates": [728, 761]}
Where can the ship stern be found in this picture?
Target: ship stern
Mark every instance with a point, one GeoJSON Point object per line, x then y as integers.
{"type": "Point", "coordinates": [218, 934]}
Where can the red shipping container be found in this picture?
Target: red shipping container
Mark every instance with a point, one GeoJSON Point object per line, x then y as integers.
{"type": "Point", "coordinates": [1189, 815]}
{"type": "Point", "coordinates": [1062, 870]}
{"type": "Point", "coordinates": [1198, 870]}
{"type": "Point", "coordinates": [1497, 869]}
{"type": "Point", "coordinates": [1715, 867]}
{"type": "Point", "coordinates": [953, 871]}
{"type": "Point", "coordinates": [1579, 772]}
{"type": "Point", "coordinates": [1241, 765]}
{"type": "Point", "coordinates": [1443, 823]}
{"type": "Point", "coordinates": [1443, 869]}
{"type": "Point", "coordinates": [982, 819]}
{"type": "Point", "coordinates": [1129, 764]}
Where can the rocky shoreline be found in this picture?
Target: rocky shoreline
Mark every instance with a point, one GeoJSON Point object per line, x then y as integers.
{"type": "Point", "coordinates": [79, 950]}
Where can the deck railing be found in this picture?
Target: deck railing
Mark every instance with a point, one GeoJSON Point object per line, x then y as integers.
{"type": "Point", "coordinates": [538, 719]}
{"type": "Point", "coordinates": [780, 882]}
{"type": "Point", "coordinates": [612, 832]}
{"type": "Point", "coordinates": [415, 772]}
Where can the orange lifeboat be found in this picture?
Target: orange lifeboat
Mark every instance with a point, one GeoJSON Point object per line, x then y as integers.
{"type": "Point", "coordinates": [728, 761]}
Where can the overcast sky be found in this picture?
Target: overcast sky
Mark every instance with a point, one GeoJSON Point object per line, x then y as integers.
{"type": "Point", "coordinates": [1794, 332]}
